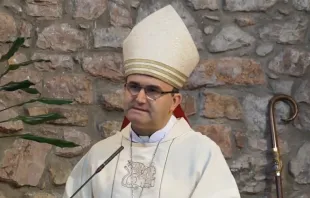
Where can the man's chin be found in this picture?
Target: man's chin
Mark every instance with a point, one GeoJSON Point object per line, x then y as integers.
{"type": "Point", "coordinates": [137, 119]}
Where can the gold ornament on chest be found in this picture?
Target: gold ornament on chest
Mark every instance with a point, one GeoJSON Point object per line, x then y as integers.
{"type": "Point", "coordinates": [139, 175]}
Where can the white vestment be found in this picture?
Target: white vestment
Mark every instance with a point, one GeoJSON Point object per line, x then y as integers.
{"type": "Point", "coordinates": [187, 164]}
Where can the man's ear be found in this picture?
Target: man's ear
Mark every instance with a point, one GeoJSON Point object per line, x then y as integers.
{"type": "Point", "coordinates": [176, 100]}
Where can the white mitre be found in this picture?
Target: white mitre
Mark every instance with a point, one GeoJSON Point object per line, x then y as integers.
{"type": "Point", "coordinates": [161, 46]}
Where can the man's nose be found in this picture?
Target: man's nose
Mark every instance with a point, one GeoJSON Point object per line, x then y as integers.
{"type": "Point", "coordinates": [141, 97]}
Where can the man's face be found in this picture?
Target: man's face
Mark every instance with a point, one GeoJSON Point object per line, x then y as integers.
{"type": "Point", "coordinates": [146, 113]}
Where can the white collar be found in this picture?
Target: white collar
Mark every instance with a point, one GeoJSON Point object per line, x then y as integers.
{"type": "Point", "coordinates": [155, 137]}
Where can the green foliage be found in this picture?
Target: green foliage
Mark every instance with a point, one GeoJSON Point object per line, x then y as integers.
{"type": "Point", "coordinates": [33, 120]}
{"type": "Point", "coordinates": [25, 86]}
{"type": "Point", "coordinates": [13, 86]}
{"type": "Point", "coordinates": [16, 45]}
{"type": "Point", "coordinates": [52, 141]}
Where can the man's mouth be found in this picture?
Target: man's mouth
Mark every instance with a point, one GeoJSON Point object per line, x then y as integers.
{"type": "Point", "coordinates": [139, 109]}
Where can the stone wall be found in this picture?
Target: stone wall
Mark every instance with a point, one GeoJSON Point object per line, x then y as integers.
{"type": "Point", "coordinates": [249, 50]}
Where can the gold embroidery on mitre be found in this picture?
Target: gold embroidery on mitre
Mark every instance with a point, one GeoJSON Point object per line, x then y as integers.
{"type": "Point", "coordinates": [138, 67]}
{"type": "Point", "coordinates": [166, 73]}
{"type": "Point", "coordinates": [140, 60]}
{"type": "Point", "coordinates": [161, 76]}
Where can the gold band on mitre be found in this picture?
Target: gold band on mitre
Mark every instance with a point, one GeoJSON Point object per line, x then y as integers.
{"type": "Point", "coordinates": [161, 46]}
{"type": "Point", "coordinates": [154, 68]}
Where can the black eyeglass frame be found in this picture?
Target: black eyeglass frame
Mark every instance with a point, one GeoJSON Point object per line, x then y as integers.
{"type": "Point", "coordinates": [174, 91]}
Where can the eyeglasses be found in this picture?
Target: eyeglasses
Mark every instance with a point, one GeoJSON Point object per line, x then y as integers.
{"type": "Point", "coordinates": [152, 92]}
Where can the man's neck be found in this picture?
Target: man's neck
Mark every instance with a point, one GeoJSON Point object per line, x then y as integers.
{"type": "Point", "coordinates": [149, 131]}
{"type": "Point", "coordinates": [155, 135]}
{"type": "Point", "coordinates": [144, 131]}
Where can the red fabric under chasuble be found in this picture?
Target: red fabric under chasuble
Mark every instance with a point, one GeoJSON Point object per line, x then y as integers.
{"type": "Point", "coordinates": [178, 113]}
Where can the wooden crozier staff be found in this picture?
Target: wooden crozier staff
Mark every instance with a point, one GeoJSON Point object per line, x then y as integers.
{"type": "Point", "coordinates": [274, 135]}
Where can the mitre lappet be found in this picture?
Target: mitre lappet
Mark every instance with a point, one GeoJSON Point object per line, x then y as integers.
{"type": "Point", "coordinates": [161, 46]}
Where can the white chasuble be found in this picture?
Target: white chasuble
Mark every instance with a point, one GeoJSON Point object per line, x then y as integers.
{"type": "Point", "coordinates": [186, 164]}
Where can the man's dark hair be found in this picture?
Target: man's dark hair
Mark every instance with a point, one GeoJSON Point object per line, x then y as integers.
{"type": "Point", "coordinates": [175, 90]}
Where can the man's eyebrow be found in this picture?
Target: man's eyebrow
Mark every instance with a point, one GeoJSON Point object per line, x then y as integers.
{"type": "Point", "coordinates": [149, 85]}
{"type": "Point", "coordinates": [132, 82]}
{"type": "Point", "coordinates": [156, 87]}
